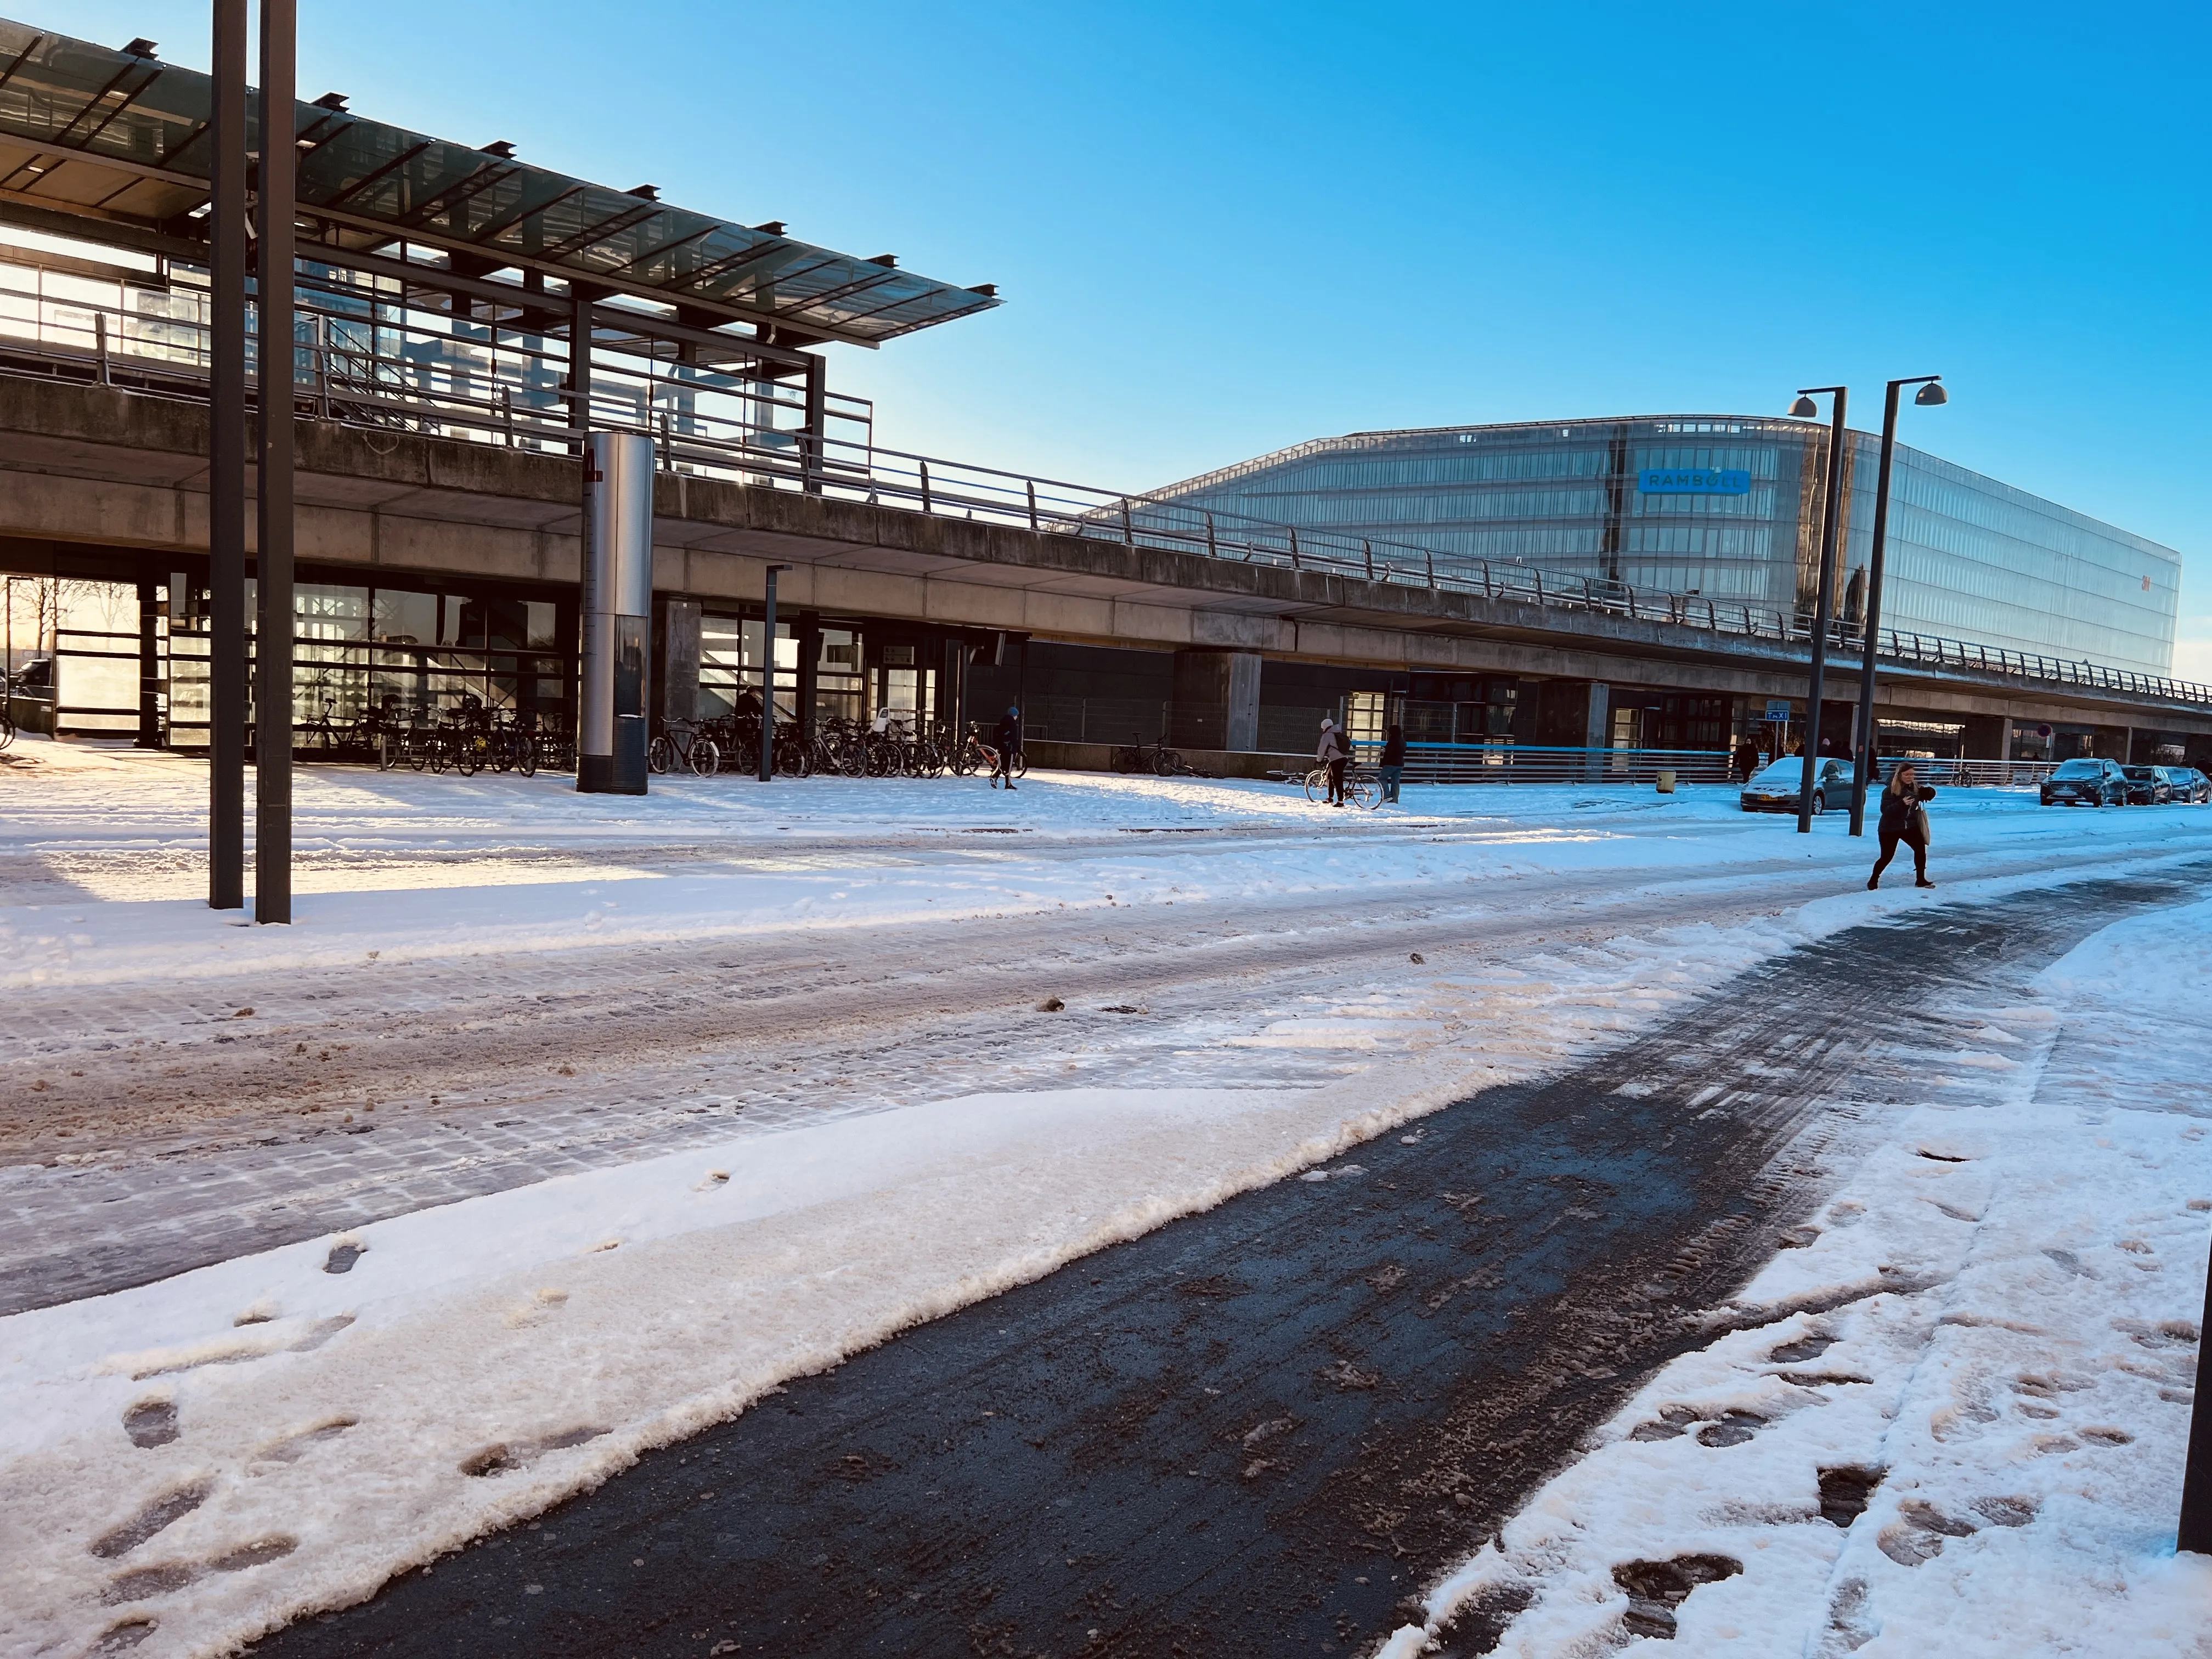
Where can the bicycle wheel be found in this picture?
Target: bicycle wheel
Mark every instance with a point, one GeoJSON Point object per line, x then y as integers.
{"type": "Point", "coordinates": [657, 755]}
{"type": "Point", "coordinates": [525, 756]}
{"type": "Point", "coordinates": [1317, 785]}
{"type": "Point", "coordinates": [1362, 790]}
{"type": "Point", "coordinates": [1166, 763]}
{"type": "Point", "coordinates": [7, 729]}
{"type": "Point", "coordinates": [387, 751]}
{"type": "Point", "coordinates": [1020, 767]}
{"type": "Point", "coordinates": [468, 761]}
{"type": "Point", "coordinates": [1126, 761]}
{"type": "Point", "coordinates": [706, 758]}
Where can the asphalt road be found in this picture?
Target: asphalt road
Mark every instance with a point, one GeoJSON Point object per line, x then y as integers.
{"type": "Point", "coordinates": [1268, 1428]}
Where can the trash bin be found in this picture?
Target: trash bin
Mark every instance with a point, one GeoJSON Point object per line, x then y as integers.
{"type": "Point", "coordinates": [1667, 783]}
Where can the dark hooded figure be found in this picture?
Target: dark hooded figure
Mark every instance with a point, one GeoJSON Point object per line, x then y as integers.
{"type": "Point", "coordinates": [1904, 819]}
{"type": "Point", "coordinates": [1006, 738]}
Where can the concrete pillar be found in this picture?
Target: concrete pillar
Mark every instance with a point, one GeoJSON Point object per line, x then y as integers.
{"type": "Point", "coordinates": [617, 612]}
{"type": "Point", "coordinates": [1986, 736]}
{"type": "Point", "coordinates": [1216, 701]}
{"type": "Point", "coordinates": [676, 658]}
{"type": "Point", "coordinates": [1598, 725]}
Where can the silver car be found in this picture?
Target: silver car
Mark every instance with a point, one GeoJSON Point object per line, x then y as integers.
{"type": "Point", "coordinates": [1775, 787]}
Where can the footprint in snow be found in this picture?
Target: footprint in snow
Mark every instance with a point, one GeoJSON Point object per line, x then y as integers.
{"type": "Point", "coordinates": [151, 1422]}
{"type": "Point", "coordinates": [507, 1454]}
{"type": "Point", "coordinates": [294, 1446]}
{"type": "Point", "coordinates": [138, 1585]}
{"type": "Point", "coordinates": [1656, 1589]}
{"type": "Point", "coordinates": [168, 1507]}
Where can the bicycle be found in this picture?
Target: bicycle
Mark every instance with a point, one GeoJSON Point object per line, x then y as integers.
{"type": "Point", "coordinates": [1362, 788]}
{"type": "Point", "coordinates": [976, 756]}
{"type": "Point", "coordinates": [1154, 757]}
{"type": "Point", "coordinates": [682, 743]}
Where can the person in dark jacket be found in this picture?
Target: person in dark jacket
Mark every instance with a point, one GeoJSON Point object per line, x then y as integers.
{"type": "Point", "coordinates": [1903, 820]}
{"type": "Point", "coordinates": [1392, 763]}
{"type": "Point", "coordinates": [1006, 738]}
{"type": "Point", "coordinates": [1746, 760]}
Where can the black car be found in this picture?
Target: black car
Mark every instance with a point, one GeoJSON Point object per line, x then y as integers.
{"type": "Point", "coordinates": [2146, 786]}
{"type": "Point", "coordinates": [2086, 783]}
{"type": "Point", "coordinates": [2187, 784]}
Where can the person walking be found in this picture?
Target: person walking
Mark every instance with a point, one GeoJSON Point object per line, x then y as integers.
{"type": "Point", "coordinates": [1393, 764]}
{"type": "Point", "coordinates": [1006, 738]}
{"type": "Point", "coordinates": [1746, 760]}
{"type": "Point", "coordinates": [1330, 755]}
{"type": "Point", "coordinates": [1904, 819]}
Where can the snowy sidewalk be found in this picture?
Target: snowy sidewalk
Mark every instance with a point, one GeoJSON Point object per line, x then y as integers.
{"type": "Point", "coordinates": [1970, 1436]}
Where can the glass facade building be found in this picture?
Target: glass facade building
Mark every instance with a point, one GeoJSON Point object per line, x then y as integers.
{"type": "Point", "coordinates": [1728, 507]}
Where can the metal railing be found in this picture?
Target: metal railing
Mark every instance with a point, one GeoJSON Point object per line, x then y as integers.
{"type": "Point", "coordinates": [365, 355]}
{"type": "Point", "coordinates": [1511, 763]}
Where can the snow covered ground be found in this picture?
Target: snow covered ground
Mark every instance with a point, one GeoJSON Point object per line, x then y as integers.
{"type": "Point", "coordinates": [188, 1463]}
{"type": "Point", "coordinates": [101, 863]}
{"type": "Point", "coordinates": [1956, 1419]}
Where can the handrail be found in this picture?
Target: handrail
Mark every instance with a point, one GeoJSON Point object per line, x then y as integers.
{"type": "Point", "coordinates": [374, 358]}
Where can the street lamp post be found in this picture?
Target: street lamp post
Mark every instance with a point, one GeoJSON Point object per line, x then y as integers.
{"type": "Point", "coordinates": [1931, 393]}
{"type": "Point", "coordinates": [1831, 521]}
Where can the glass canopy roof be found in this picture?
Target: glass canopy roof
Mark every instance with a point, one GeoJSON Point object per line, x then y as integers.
{"type": "Point", "coordinates": [96, 133]}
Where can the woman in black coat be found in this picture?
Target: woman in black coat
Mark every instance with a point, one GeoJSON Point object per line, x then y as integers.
{"type": "Point", "coordinates": [1903, 820]}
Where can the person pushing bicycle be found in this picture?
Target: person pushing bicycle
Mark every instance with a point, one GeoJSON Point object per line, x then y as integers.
{"type": "Point", "coordinates": [1006, 737]}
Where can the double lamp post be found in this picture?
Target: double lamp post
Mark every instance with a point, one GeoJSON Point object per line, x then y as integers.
{"type": "Point", "coordinates": [1931, 393]}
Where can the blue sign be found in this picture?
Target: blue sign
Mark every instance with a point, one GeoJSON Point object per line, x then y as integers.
{"type": "Point", "coordinates": [1692, 480]}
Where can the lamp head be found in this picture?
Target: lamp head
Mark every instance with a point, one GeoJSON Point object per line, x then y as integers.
{"type": "Point", "coordinates": [1804, 409]}
{"type": "Point", "coordinates": [1931, 394]}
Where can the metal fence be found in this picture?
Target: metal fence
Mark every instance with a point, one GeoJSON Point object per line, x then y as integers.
{"type": "Point", "coordinates": [367, 353]}
{"type": "Point", "coordinates": [1511, 763]}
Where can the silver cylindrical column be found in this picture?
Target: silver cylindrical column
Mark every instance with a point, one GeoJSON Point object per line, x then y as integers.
{"type": "Point", "coordinates": [617, 607]}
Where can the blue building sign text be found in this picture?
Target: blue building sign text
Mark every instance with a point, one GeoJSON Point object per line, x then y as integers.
{"type": "Point", "coordinates": [1692, 480]}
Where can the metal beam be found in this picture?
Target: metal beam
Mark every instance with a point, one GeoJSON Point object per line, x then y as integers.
{"type": "Point", "coordinates": [274, 628]}
{"type": "Point", "coordinates": [227, 472]}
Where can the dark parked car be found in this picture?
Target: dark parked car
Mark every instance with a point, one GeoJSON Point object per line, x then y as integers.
{"type": "Point", "coordinates": [2188, 784]}
{"type": "Point", "coordinates": [2146, 786]}
{"type": "Point", "coordinates": [2086, 783]}
{"type": "Point", "coordinates": [1776, 788]}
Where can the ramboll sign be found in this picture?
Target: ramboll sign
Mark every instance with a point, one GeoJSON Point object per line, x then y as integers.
{"type": "Point", "coordinates": [1692, 480]}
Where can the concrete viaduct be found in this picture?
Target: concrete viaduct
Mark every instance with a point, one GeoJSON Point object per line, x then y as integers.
{"type": "Point", "coordinates": [98, 481]}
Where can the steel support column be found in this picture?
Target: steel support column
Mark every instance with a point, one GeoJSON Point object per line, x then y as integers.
{"type": "Point", "coordinates": [768, 677]}
{"type": "Point", "coordinates": [810, 670]}
{"type": "Point", "coordinates": [813, 443]}
{"type": "Point", "coordinates": [617, 521]}
{"type": "Point", "coordinates": [227, 467]}
{"type": "Point", "coordinates": [149, 664]}
{"type": "Point", "coordinates": [274, 626]}
{"type": "Point", "coordinates": [581, 295]}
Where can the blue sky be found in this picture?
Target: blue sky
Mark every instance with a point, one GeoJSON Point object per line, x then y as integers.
{"type": "Point", "coordinates": [1223, 228]}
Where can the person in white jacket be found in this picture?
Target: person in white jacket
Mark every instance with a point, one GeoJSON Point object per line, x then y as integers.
{"type": "Point", "coordinates": [1330, 752]}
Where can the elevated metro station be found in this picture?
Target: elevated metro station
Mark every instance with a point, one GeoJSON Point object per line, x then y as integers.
{"type": "Point", "coordinates": [465, 318]}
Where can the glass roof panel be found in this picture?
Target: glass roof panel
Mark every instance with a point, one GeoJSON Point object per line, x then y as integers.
{"type": "Point", "coordinates": [74, 102]}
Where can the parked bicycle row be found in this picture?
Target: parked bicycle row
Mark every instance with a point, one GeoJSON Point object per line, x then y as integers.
{"type": "Point", "coordinates": [885, 747]}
